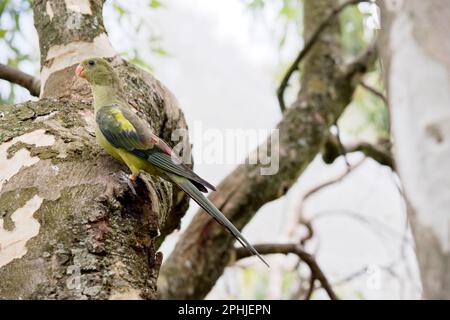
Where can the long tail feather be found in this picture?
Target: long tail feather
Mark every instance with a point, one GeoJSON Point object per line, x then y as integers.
{"type": "Point", "coordinates": [206, 205]}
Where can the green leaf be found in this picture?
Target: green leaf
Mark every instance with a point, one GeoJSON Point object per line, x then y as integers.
{"type": "Point", "coordinates": [16, 20]}
{"type": "Point", "coordinates": [119, 9]}
{"type": "Point", "coordinates": [155, 4]}
{"type": "Point", "coordinates": [3, 32]}
{"type": "Point", "coordinates": [352, 23]}
{"type": "Point", "coordinates": [256, 4]}
{"type": "Point", "coordinates": [141, 63]}
{"type": "Point", "coordinates": [288, 12]}
{"type": "Point", "coordinates": [160, 51]}
{"type": "Point", "coordinates": [3, 6]}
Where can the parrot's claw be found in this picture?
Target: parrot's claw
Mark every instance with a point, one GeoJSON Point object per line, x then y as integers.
{"type": "Point", "coordinates": [129, 179]}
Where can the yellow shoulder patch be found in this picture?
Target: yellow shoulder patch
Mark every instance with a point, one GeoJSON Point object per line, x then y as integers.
{"type": "Point", "coordinates": [124, 123]}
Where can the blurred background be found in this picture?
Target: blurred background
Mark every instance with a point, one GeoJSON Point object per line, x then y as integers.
{"type": "Point", "coordinates": [223, 60]}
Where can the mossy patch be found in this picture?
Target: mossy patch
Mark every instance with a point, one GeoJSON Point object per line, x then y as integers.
{"type": "Point", "coordinates": [11, 201]}
{"type": "Point", "coordinates": [73, 141]}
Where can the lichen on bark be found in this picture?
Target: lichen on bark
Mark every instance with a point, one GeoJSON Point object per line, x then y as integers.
{"type": "Point", "coordinates": [64, 25]}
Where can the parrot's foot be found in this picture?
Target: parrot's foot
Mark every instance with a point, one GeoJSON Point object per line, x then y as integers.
{"type": "Point", "coordinates": [129, 179]}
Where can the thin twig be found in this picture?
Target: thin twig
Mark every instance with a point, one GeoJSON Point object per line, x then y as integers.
{"type": "Point", "coordinates": [352, 276]}
{"type": "Point", "coordinates": [389, 269]}
{"type": "Point", "coordinates": [332, 181]}
{"type": "Point", "coordinates": [307, 47]}
{"type": "Point", "coordinates": [379, 153]}
{"type": "Point", "coordinates": [357, 68]}
{"type": "Point", "coordinates": [13, 75]}
{"type": "Point", "coordinates": [374, 224]}
{"type": "Point", "coordinates": [294, 248]}
{"type": "Point", "coordinates": [309, 228]}
{"type": "Point", "coordinates": [341, 146]}
{"type": "Point", "coordinates": [299, 217]}
{"type": "Point", "coordinates": [311, 288]}
{"type": "Point", "coordinates": [374, 91]}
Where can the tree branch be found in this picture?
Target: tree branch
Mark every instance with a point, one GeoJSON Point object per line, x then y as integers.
{"type": "Point", "coordinates": [380, 152]}
{"type": "Point", "coordinates": [311, 288]}
{"type": "Point", "coordinates": [299, 217]}
{"type": "Point", "coordinates": [13, 75]}
{"type": "Point", "coordinates": [374, 91]}
{"type": "Point", "coordinates": [377, 152]}
{"type": "Point", "coordinates": [307, 47]}
{"type": "Point", "coordinates": [316, 271]}
{"type": "Point", "coordinates": [359, 66]}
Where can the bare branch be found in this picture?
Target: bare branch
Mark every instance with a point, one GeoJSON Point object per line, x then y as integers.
{"type": "Point", "coordinates": [311, 288]}
{"type": "Point", "coordinates": [356, 69]}
{"type": "Point", "coordinates": [348, 278]}
{"type": "Point", "coordinates": [341, 145]}
{"type": "Point", "coordinates": [13, 75]}
{"type": "Point", "coordinates": [374, 91]}
{"type": "Point", "coordinates": [380, 152]}
{"type": "Point", "coordinates": [376, 226]}
{"type": "Point", "coordinates": [332, 181]}
{"type": "Point", "coordinates": [377, 152]}
{"type": "Point", "coordinates": [309, 228]}
{"type": "Point", "coordinates": [276, 248]}
{"type": "Point", "coordinates": [299, 215]}
{"type": "Point", "coordinates": [307, 47]}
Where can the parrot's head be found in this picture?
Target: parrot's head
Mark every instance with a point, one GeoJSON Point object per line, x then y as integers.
{"type": "Point", "coordinates": [97, 71]}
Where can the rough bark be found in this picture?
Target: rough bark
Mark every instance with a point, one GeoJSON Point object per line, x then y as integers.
{"type": "Point", "coordinates": [68, 228]}
{"type": "Point", "coordinates": [416, 50]}
{"type": "Point", "coordinates": [205, 248]}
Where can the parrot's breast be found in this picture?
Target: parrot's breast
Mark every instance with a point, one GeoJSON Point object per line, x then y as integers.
{"type": "Point", "coordinates": [135, 163]}
{"type": "Point", "coordinates": [106, 145]}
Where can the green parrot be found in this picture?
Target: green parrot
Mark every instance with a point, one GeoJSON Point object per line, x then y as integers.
{"type": "Point", "coordinates": [129, 139]}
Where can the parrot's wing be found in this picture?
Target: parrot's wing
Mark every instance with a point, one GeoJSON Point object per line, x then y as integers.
{"type": "Point", "coordinates": [123, 129]}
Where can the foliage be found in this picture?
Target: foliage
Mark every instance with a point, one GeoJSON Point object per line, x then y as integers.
{"type": "Point", "coordinates": [132, 23]}
{"type": "Point", "coordinates": [352, 24]}
{"type": "Point", "coordinates": [18, 40]}
{"type": "Point", "coordinates": [15, 50]}
{"type": "Point", "coordinates": [289, 16]}
{"type": "Point", "coordinates": [367, 116]}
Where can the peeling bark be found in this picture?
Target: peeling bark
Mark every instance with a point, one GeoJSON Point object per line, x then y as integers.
{"type": "Point", "coordinates": [205, 248]}
{"type": "Point", "coordinates": [87, 235]}
{"type": "Point", "coordinates": [416, 51]}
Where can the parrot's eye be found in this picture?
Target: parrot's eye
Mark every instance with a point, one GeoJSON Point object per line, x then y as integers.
{"type": "Point", "coordinates": [91, 62]}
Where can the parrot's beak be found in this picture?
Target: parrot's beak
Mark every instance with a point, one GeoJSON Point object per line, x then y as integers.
{"type": "Point", "coordinates": [79, 71]}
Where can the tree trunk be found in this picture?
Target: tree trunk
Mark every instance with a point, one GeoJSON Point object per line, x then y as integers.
{"type": "Point", "coordinates": [416, 55]}
{"type": "Point", "coordinates": [68, 227]}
